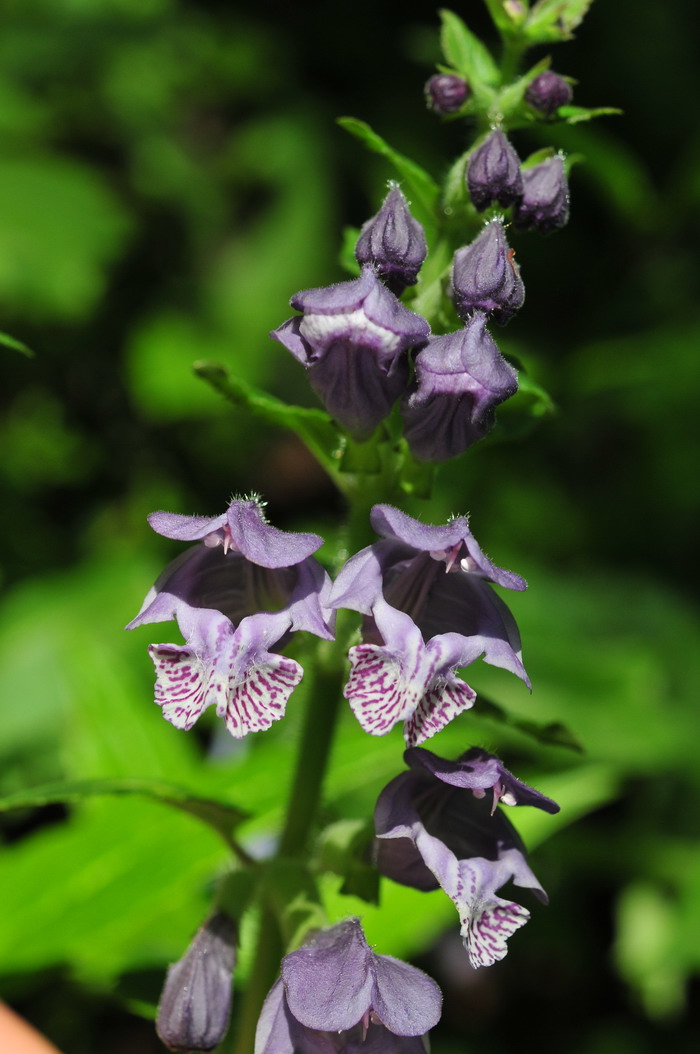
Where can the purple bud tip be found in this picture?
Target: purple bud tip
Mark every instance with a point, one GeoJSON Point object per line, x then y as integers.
{"type": "Point", "coordinates": [485, 276]}
{"type": "Point", "coordinates": [544, 206]}
{"type": "Point", "coordinates": [547, 92]}
{"type": "Point", "coordinates": [446, 93]}
{"type": "Point", "coordinates": [494, 173]}
{"type": "Point", "coordinates": [393, 242]}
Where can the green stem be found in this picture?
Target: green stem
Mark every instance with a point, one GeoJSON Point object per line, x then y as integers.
{"type": "Point", "coordinates": [265, 966]}
{"type": "Point", "coordinates": [513, 48]}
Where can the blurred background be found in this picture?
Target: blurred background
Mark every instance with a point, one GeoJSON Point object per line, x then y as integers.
{"type": "Point", "coordinates": [170, 174]}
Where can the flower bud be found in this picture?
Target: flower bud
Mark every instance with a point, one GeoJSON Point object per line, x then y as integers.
{"type": "Point", "coordinates": [544, 205]}
{"type": "Point", "coordinates": [494, 173]}
{"type": "Point", "coordinates": [195, 1006]}
{"type": "Point", "coordinates": [393, 242]}
{"type": "Point", "coordinates": [548, 92]}
{"type": "Point", "coordinates": [485, 276]}
{"type": "Point", "coordinates": [446, 93]}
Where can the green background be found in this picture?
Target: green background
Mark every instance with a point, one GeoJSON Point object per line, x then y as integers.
{"type": "Point", "coordinates": [170, 174]}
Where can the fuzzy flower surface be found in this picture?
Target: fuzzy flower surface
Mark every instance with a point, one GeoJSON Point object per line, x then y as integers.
{"type": "Point", "coordinates": [494, 173]}
{"type": "Point", "coordinates": [237, 596]}
{"type": "Point", "coordinates": [393, 242]}
{"type": "Point", "coordinates": [353, 338]}
{"type": "Point", "coordinates": [436, 828]}
{"type": "Point", "coordinates": [430, 609]}
{"type": "Point", "coordinates": [485, 276]}
{"type": "Point", "coordinates": [337, 995]}
{"type": "Point", "coordinates": [544, 206]}
{"type": "Point", "coordinates": [461, 378]}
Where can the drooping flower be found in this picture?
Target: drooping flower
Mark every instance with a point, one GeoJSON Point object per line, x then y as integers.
{"type": "Point", "coordinates": [430, 610]}
{"type": "Point", "coordinates": [494, 173]}
{"type": "Point", "coordinates": [446, 93]}
{"type": "Point", "coordinates": [461, 378]}
{"type": "Point", "coordinates": [353, 339]}
{"type": "Point", "coordinates": [485, 276]}
{"type": "Point", "coordinates": [547, 92]}
{"type": "Point", "coordinates": [337, 995]}
{"type": "Point", "coordinates": [195, 1005]}
{"type": "Point", "coordinates": [544, 206]}
{"type": "Point", "coordinates": [236, 596]}
{"type": "Point", "coordinates": [393, 242]}
{"type": "Point", "coordinates": [435, 828]}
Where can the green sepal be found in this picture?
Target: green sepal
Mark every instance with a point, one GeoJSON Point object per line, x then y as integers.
{"type": "Point", "coordinates": [466, 54]}
{"type": "Point", "coordinates": [421, 188]}
{"type": "Point", "coordinates": [314, 427]}
{"type": "Point", "coordinates": [577, 114]}
{"type": "Point", "coordinates": [507, 17]}
{"type": "Point", "coordinates": [344, 848]}
{"type": "Point", "coordinates": [291, 891]}
{"type": "Point", "coordinates": [11, 342]}
{"type": "Point", "coordinates": [223, 817]}
{"type": "Point", "coordinates": [552, 733]}
{"type": "Point", "coordinates": [554, 20]}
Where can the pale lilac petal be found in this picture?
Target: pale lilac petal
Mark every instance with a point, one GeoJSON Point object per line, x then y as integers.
{"type": "Point", "coordinates": [185, 528]}
{"type": "Point", "coordinates": [405, 999]}
{"type": "Point", "coordinates": [329, 983]}
{"type": "Point", "coordinates": [263, 544]}
{"type": "Point", "coordinates": [390, 522]}
{"type": "Point", "coordinates": [273, 1032]}
{"type": "Point", "coordinates": [309, 605]}
{"type": "Point", "coordinates": [358, 585]}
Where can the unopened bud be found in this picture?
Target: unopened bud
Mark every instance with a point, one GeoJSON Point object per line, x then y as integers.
{"type": "Point", "coordinates": [446, 93]}
{"type": "Point", "coordinates": [485, 276]}
{"type": "Point", "coordinates": [547, 92]}
{"type": "Point", "coordinates": [393, 242]}
{"type": "Point", "coordinates": [195, 1006]}
{"type": "Point", "coordinates": [494, 173]}
{"type": "Point", "coordinates": [544, 205]}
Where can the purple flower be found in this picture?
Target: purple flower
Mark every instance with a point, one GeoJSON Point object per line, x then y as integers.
{"type": "Point", "coordinates": [353, 339]}
{"type": "Point", "coordinates": [494, 173]}
{"type": "Point", "coordinates": [195, 1006]}
{"type": "Point", "coordinates": [460, 379]}
{"type": "Point", "coordinates": [429, 611]}
{"type": "Point", "coordinates": [544, 205]}
{"type": "Point", "coordinates": [436, 828]}
{"type": "Point", "coordinates": [244, 589]}
{"type": "Point", "coordinates": [446, 93]}
{"type": "Point", "coordinates": [547, 92]}
{"type": "Point", "coordinates": [337, 995]}
{"type": "Point", "coordinates": [485, 276]}
{"type": "Point", "coordinates": [393, 242]}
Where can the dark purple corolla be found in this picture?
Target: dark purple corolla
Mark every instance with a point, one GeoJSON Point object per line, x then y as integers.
{"type": "Point", "coordinates": [485, 276]}
{"type": "Point", "coordinates": [393, 242]}
{"type": "Point", "coordinates": [337, 995]}
{"type": "Point", "coordinates": [446, 93]}
{"type": "Point", "coordinates": [430, 610]}
{"type": "Point", "coordinates": [494, 173]}
{"type": "Point", "coordinates": [353, 339]}
{"type": "Point", "coordinates": [436, 827]}
{"type": "Point", "coordinates": [237, 595]}
{"type": "Point", "coordinates": [195, 1006]}
{"type": "Point", "coordinates": [544, 206]}
{"type": "Point", "coordinates": [461, 378]}
{"type": "Point", "coordinates": [547, 92]}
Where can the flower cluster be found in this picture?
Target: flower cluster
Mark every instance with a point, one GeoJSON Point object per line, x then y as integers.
{"type": "Point", "coordinates": [436, 828]}
{"type": "Point", "coordinates": [354, 338]}
{"type": "Point", "coordinates": [246, 587]}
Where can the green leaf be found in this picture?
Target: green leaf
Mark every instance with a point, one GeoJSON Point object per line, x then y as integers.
{"type": "Point", "coordinates": [422, 189]}
{"type": "Point", "coordinates": [291, 890]}
{"type": "Point", "coordinates": [553, 20]}
{"type": "Point", "coordinates": [576, 114]}
{"type": "Point", "coordinates": [512, 96]}
{"type": "Point", "coordinates": [549, 733]}
{"type": "Point", "coordinates": [344, 849]}
{"type": "Point", "coordinates": [466, 53]}
{"type": "Point", "coordinates": [314, 427]}
{"type": "Point", "coordinates": [224, 818]}
{"type": "Point", "coordinates": [347, 251]}
{"type": "Point", "coordinates": [10, 342]}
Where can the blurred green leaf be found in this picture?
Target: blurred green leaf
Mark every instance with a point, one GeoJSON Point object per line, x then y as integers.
{"type": "Point", "coordinates": [11, 342]}
{"type": "Point", "coordinates": [577, 114]}
{"type": "Point", "coordinates": [344, 848]}
{"type": "Point", "coordinates": [222, 816]}
{"type": "Point", "coordinates": [648, 922]}
{"type": "Point", "coordinates": [421, 188]}
{"type": "Point", "coordinates": [553, 20]}
{"type": "Point", "coordinates": [465, 52]}
{"type": "Point", "coordinates": [507, 16]}
{"type": "Point", "coordinates": [551, 733]}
